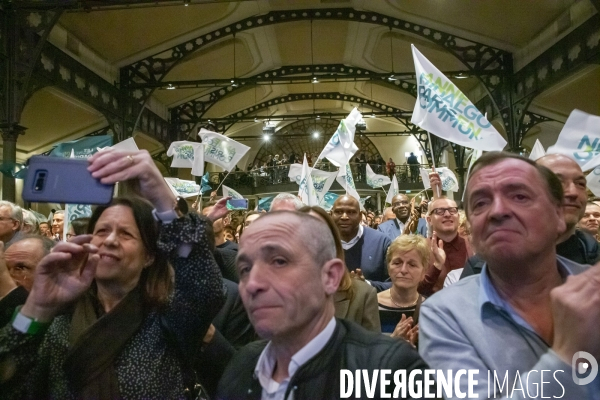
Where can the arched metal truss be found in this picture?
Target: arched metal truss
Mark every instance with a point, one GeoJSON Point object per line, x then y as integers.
{"type": "Point", "coordinates": [292, 139]}
{"type": "Point", "coordinates": [223, 124]}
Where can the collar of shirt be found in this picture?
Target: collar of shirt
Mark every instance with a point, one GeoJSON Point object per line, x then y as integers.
{"type": "Point", "coordinates": [352, 242]}
{"type": "Point", "coordinates": [401, 225]}
{"type": "Point", "coordinates": [266, 362]}
{"type": "Point", "coordinates": [489, 294]}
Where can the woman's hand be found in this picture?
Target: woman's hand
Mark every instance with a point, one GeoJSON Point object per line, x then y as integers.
{"type": "Point", "coordinates": [403, 328]}
{"type": "Point", "coordinates": [111, 166]}
{"type": "Point", "coordinates": [61, 277]}
{"type": "Point", "coordinates": [437, 251]}
{"type": "Point", "coordinates": [413, 335]}
{"type": "Point", "coordinates": [219, 210]}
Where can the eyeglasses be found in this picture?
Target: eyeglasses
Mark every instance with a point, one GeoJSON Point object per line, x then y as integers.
{"type": "Point", "coordinates": [69, 236]}
{"type": "Point", "coordinates": [442, 210]}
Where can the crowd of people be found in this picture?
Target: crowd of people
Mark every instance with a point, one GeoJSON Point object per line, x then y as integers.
{"type": "Point", "coordinates": [150, 299]}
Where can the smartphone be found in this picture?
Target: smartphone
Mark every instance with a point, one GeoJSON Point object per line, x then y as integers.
{"type": "Point", "coordinates": [63, 180]}
{"type": "Point", "coordinates": [237, 204]}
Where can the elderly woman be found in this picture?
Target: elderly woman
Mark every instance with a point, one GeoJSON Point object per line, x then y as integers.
{"type": "Point", "coordinates": [114, 314]}
{"type": "Point", "coordinates": [355, 300]}
{"type": "Point", "coordinates": [407, 259]}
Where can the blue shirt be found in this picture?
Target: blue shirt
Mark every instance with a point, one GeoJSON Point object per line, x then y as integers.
{"type": "Point", "coordinates": [469, 326]}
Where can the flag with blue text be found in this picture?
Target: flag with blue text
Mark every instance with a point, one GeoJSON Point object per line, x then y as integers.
{"type": "Point", "coordinates": [374, 180]}
{"type": "Point", "coordinates": [394, 190]}
{"type": "Point", "coordinates": [346, 180]}
{"type": "Point", "coordinates": [442, 109]}
{"type": "Point", "coordinates": [322, 180]}
{"type": "Point", "coordinates": [221, 150]}
{"type": "Point", "coordinates": [227, 191]}
{"type": "Point", "coordinates": [307, 192]}
{"type": "Point", "coordinates": [183, 188]}
{"type": "Point", "coordinates": [580, 139]}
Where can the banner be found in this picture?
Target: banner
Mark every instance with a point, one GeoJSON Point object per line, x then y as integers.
{"type": "Point", "coordinates": [205, 183]}
{"type": "Point", "coordinates": [82, 148]}
{"type": "Point", "coordinates": [322, 180]}
{"type": "Point", "coordinates": [227, 191]}
{"type": "Point", "coordinates": [580, 139]}
{"type": "Point", "coordinates": [307, 192]}
{"type": "Point", "coordinates": [394, 190]}
{"type": "Point", "coordinates": [374, 180]}
{"type": "Point", "coordinates": [328, 199]}
{"type": "Point", "coordinates": [449, 181]}
{"type": "Point", "coordinates": [221, 150]}
{"type": "Point", "coordinates": [537, 151]}
{"type": "Point", "coordinates": [442, 109]}
{"type": "Point", "coordinates": [593, 181]}
{"type": "Point", "coordinates": [341, 147]}
{"type": "Point", "coordinates": [345, 179]}
{"type": "Point", "coordinates": [183, 188]}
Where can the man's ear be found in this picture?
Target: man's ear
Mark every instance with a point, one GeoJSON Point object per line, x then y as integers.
{"type": "Point", "coordinates": [331, 275]}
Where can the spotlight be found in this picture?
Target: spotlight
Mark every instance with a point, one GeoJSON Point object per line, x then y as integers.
{"type": "Point", "coordinates": [186, 2]}
{"type": "Point", "coordinates": [318, 117]}
{"type": "Point", "coordinates": [170, 86]}
{"type": "Point", "coordinates": [314, 79]}
{"type": "Point", "coordinates": [461, 76]}
{"type": "Point", "coordinates": [392, 78]}
{"type": "Point", "coordinates": [315, 134]}
{"type": "Point", "coordinates": [234, 83]}
{"type": "Point", "coordinates": [373, 115]}
{"type": "Point", "coordinates": [266, 137]}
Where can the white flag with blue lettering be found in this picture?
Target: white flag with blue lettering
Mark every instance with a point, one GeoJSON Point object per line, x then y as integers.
{"type": "Point", "coordinates": [442, 109]}
{"type": "Point", "coordinates": [322, 180]}
{"type": "Point", "coordinates": [374, 180]}
{"type": "Point", "coordinates": [346, 180]}
{"type": "Point", "coordinates": [580, 139]}
{"type": "Point", "coordinates": [307, 192]}
{"type": "Point", "coordinates": [341, 147]}
{"type": "Point", "coordinates": [227, 191]}
{"type": "Point", "coordinates": [221, 150]}
{"type": "Point", "coordinates": [394, 190]}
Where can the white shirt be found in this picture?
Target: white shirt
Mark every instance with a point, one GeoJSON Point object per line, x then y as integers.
{"type": "Point", "coordinates": [272, 390]}
{"type": "Point", "coordinates": [352, 242]}
{"type": "Point", "coordinates": [401, 225]}
{"type": "Point", "coordinates": [453, 277]}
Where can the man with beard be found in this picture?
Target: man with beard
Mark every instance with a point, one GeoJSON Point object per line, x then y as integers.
{"type": "Point", "coordinates": [395, 227]}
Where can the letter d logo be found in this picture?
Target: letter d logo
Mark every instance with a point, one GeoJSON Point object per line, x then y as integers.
{"type": "Point", "coordinates": [583, 367]}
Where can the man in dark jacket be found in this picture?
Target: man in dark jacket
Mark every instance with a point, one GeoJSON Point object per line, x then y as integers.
{"type": "Point", "coordinates": [287, 284]}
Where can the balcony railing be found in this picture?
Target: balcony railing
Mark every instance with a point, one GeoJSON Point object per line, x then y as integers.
{"type": "Point", "coordinates": [278, 175]}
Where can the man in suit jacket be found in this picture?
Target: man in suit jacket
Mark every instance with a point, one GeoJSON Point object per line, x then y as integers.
{"type": "Point", "coordinates": [394, 227]}
{"type": "Point", "coordinates": [364, 248]}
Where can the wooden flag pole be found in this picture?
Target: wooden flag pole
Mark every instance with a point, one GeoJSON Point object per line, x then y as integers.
{"type": "Point", "coordinates": [217, 189]}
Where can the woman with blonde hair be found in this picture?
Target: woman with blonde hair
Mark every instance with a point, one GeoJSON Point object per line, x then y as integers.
{"type": "Point", "coordinates": [407, 259]}
{"type": "Point", "coordinates": [354, 300]}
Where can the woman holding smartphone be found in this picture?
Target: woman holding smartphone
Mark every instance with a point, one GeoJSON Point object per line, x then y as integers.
{"type": "Point", "coordinates": [112, 314]}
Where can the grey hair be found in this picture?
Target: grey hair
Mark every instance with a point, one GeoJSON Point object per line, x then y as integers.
{"type": "Point", "coordinates": [16, 212]}
{"type": "Point", "coordinates": [287, 197]}
{"type": "Point", "coordinates": [30, 219]}
{"type": "Point", "coordinates": [47, 243]}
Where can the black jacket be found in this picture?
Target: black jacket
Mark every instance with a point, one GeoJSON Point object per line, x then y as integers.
{"type": "Point", "coordinates": [351, 347]}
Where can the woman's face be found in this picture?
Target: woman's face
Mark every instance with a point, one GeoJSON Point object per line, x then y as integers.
{"type": "Point", "coordinates": [120, 247]}
{"type": "Point", "coordinates": [406, 269]}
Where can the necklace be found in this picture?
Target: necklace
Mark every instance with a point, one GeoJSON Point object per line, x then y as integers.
{"type": "Point", "coordinates": [398, 305]}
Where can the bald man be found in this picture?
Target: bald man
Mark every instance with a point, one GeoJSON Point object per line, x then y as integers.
{"type": "Point", "coordinates": [364, 248]}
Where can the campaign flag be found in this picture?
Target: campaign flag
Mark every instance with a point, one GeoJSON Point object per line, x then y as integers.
{"type": "Point", "coordinates": [593, 181]}
{"type": "Point", "coordinates": [394, 190]}
{"type": "Point", "coordinates": [183, 188]}
{"type": "Point", "coordinates": [198, 162]}
{"type": "Point", "coordinates": [580, 139]}
{"type": "Point", "coordinates": [374, 180]}
{"type": "Point", "coordinates": [264, 204]}
{"type": "Point", "coordinates": [227, 191]}
{"type": "Point", "coordinates": [449, 181]}
{"type": "Point", "coordinates": [221, 150]}
{"type": "Point", "coordinates": [205, 183]}
{"type": "Point", "coordinates": [362, 202]}
{"type": "Point", "coordinates": [73, 211]}
{"type": "Point", "coordinates": [81, 148]}
{"type": "Point", "coordinates": [341, 147]}
{"type": "Point", "coordinates": [126, 145]}
{"type": "Point", "coordinates": [183, 153]}
{"type": "Point", "coordinates": [346, 180]}
{"type": "Point", "coordinates": [537, 151]}
{"type": "Point", "coordinates": [327, 201]}
{"type": "Point", "coordinates": [307, 192]}
{"type": "Point", "coordinates": [442, 109]}
{"type": "Point", "coordinates": [322, 180]}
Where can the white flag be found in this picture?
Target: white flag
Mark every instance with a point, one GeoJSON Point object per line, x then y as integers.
{"type": "Point", "coordinates": [374, 180]}
{"type": "Point", "coordinates": [537, 151]}
{"type": "Point", "coordinates": [593, 181]}
{"type": "Point", "coordinates": [394, 190]}
{"type": "Point", "coordinates": [198, 163]}
{"type": "Point", "coordinates": [221, 150]}
{"type": "Point", "coordinates": [183, 153]}
{"type": "Point", "coordinates": [322, 180]}
{"type": "Point", "coordinates": [227, 191]}
{"type": "Point", "coordinates": [449, 181]}
{"type": "Point", "coordinates": [183, 188]}
{"type": "Point", "coordinates": [126, 145]}
{"type": "Point", "coordinates": [307, 192]}
{"type": "Point", "coordinates": [580, 139]}
{"type": "Point", "coordinates": [346, 180]}
{"type": "Point", "coordinates": [341, 147]}
{"type": "Point", "coordinates": [442, 109]}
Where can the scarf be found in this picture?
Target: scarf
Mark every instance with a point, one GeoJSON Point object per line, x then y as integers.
{"type": "Point", "coordinates": [96, 342]}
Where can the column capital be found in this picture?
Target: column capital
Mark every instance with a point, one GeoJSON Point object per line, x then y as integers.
{"type": "Point", "coordinates": [11, 131]}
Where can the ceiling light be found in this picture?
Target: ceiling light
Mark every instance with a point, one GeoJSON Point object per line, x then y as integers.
{"type": "Point", "coordinates": [392, 78]}
{"type": "Point", "coordinates": [373, 115]}
{"type": "Point", "coordinates": [266, 137]}
{"type": "Point", "coordinates": [314, 79]}
{"type": "Point", "coordinates": [255, 119]}
{"type": "Point", "coordinates": [318, 117]}
{"type": "Point", "coordinates": [234, 83]}
{"type": "Point", "coordinates": [315, 134]}
{"type": "Point", "coordinates": [461, 76]}
{"type": "Point", "coordinates": [170, 86]}
{"type": "Point", "coordinates": [186, 2]}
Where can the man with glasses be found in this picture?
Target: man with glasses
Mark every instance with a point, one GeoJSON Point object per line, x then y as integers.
{"type": "Point", "coordinates": [395, 227]}
{"type": "Point", "coordinates": [11, 222]}
{"type": "Point", "coordinates": [449, 249]}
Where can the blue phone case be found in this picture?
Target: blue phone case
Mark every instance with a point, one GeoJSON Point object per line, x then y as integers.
{"type": "Point", "coordinates": [63, 180]}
